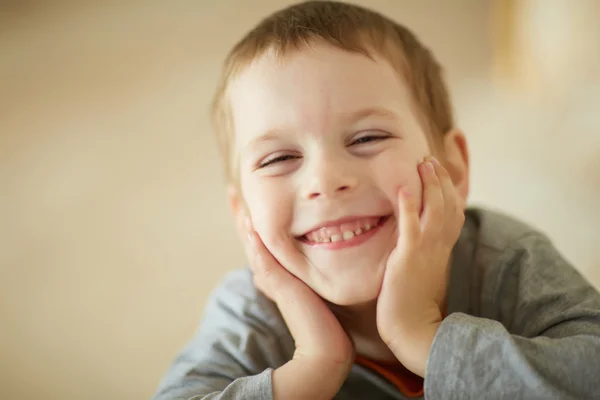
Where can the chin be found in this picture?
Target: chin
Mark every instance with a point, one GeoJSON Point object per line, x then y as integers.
{"type": "Point", "coordinates": [350, 291]}
{"type": "Point", "coordinates": [349, 272]}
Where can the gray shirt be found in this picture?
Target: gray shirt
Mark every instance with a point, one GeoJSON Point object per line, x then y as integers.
{"type": "Point", "coordinates": [522, 324]}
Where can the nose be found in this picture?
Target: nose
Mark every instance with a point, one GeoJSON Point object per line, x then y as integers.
{"type": "Point", "coordinates": [328, 178]}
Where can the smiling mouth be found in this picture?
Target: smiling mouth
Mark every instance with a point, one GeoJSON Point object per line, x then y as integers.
{"type": "Point", "coordinates": [345, 233]}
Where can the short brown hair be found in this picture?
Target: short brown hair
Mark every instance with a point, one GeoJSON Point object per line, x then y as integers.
{"type": "Point", "coordinates": [351, 28]}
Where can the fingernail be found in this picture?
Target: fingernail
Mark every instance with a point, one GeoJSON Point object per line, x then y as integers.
{"type": "Point", "coordinates": [429, 166]}
{"type": "Point", "coordinates": [434, 160]}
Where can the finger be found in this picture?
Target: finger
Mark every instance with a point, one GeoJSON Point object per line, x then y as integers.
{"type": "Point", "coordinates": [316, 331]}
{"type": "Point", "coordinates": [252, 250]}
{"type": "Point", "coordinates": [306, 315]}
{"type": "Point", "coordinates": [453, 209]}
{"type": "Point", "coordinates": [433, 200]}
{"type": "Point", "coordinates": [408, 219]}
{"type": "Point", "coordinates": [276, 279]}
{"type": "Point", "coordinates": [446, 185]}
{"type": "Point", "coordinates": [246, 230]}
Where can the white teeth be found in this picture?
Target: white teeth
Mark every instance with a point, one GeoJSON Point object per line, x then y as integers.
{"type": "Point", "coordinates": [345, 235]}
{"type": "Point", "coordinates": [348, 235]}
{"type": "Point", "coordinates": [336, 238]}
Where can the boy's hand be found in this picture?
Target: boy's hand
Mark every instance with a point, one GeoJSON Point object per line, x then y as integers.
{"type": "Point", "coordinates": [409, 307]}
{"type": "Point", "coordinates": [324, 353]}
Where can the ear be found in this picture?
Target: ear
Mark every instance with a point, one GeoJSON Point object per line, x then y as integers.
{"type": "Point", "coordinates": [456, 160]}
{"type": "Point", "coordinates": [236, 205]}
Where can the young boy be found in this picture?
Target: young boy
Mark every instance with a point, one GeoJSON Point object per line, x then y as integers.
{"type": "Point", "coordinates": [349, 183]}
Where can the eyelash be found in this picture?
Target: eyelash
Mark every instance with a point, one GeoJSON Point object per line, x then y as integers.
{"type": "Point", "coordinates": [276, 160]}
{"type": "Point", "coordinates": [362, 140]}
{"type": "Point", "coordinates": [371, 138]}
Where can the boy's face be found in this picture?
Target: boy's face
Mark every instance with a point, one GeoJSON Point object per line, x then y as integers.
{"type": "Point", "coordinates": [326, 138]}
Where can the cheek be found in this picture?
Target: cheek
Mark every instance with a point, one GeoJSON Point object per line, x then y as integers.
{"type": "Point", "coordinates": [270, 209]}
{"type": "Point", "coordinates": [399, 172]}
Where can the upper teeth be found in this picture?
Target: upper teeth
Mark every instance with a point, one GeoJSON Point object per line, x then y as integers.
{"type": "Point", "coordinates": [344, 235]}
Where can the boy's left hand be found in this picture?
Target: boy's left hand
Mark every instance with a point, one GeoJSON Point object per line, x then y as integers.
{"type": "Point", "coordinates": [409, 307]}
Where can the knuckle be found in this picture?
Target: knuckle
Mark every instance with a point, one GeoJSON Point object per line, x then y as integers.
{"type": "Point", "coordinates": [267, 273]}
{"type": "Point", "coordinates": [434, 181]}
{"type": "Point", "coordinates": [442, 171]}
{"type": "Point", "coordinates": [436, 216]}
{"type": "Point", "coordinates": [255, 263]}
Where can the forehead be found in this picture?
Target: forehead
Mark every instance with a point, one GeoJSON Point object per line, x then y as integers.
{"type": "Point", "coordinates": [313, 89]}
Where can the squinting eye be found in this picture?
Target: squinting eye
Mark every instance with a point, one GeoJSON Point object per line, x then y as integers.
{"type": "Point", "coordinates": [367, 139]}
{"type": "Point", "coordinates": [277, 160]}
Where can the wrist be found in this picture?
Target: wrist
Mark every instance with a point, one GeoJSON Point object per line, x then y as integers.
{"type": "Point", "coordinates": [309, 379]}
{"type": "Point", "coordinates": [412, 347]}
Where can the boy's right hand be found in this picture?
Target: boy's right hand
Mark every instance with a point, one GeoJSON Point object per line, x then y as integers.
{"type": "Point", "coordinates": [324, 353]}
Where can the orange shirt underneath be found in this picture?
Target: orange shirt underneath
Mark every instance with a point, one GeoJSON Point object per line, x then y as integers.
{"type": "Point", "coordinates": [411, 385]}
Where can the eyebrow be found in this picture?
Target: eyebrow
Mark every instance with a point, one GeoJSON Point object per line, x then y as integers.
{"type": "Point", "coordinates": [348, 118]}
{"type": "Point", "coordinates": [269, 135]}
{"type": "Point", "coordinates": [355, 116]}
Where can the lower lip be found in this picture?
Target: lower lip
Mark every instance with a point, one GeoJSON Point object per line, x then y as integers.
{"type": "Point", "coordinates": [355, 241]}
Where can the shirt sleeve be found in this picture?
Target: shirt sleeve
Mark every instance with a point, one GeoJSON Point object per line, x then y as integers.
{"type": "Point", "coordinates": [232, 355]}
{"type": "Point", "coordinates": [540, 340]}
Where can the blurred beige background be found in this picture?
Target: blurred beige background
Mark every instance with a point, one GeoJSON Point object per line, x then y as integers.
{"type": "Point", "coordinates": [113, 221]}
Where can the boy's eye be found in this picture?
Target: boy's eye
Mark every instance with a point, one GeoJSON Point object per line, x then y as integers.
{"type": "Point", "coordinates": [367, 139]}
{"type": "Point", "coordinates": [268, 162]}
